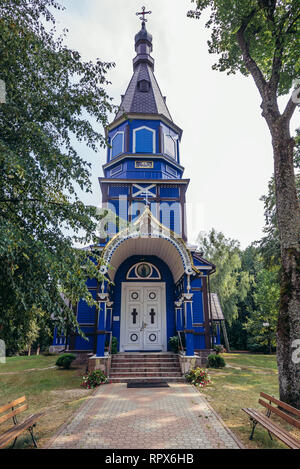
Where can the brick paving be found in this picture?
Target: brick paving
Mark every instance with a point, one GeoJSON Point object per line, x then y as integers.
{"type": "Point", "coordinates": [117, 417]}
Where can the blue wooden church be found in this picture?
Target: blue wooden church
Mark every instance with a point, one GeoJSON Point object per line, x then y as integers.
{"type": "Point", "coordinates": [159, 284]}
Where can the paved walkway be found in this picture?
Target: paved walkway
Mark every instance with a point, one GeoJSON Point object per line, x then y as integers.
{"type": "Point", "coordinates": [118, 417]}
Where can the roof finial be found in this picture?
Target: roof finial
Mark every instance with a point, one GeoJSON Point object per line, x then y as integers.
{"type": "Point", "coordinates": [143, 13]}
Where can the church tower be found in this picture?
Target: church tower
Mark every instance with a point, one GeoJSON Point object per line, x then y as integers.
{"type": "Point", "coordinates": [157, 285]}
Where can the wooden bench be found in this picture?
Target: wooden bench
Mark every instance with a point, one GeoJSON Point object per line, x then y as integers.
{"type": "Point", "coordinates": [283, 410]}
{"type": "Point", "coordinates": [15, 408]}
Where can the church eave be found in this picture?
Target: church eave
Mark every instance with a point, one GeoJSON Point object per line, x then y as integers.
{"type": "Point", "coordinates": [142, 116]}
{"type": "Point", "coordinates": [143, 156]}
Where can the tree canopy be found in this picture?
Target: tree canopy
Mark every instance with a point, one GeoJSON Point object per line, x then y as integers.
{"type": "Point", "coordinates": [52, 96]}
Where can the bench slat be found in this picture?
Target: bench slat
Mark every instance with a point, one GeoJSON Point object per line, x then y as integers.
{"type": "Point", "coordinates": [288, 418]}
{"type": "Point", "coordinates": [12, 433]}
{"type": "Point", "coordinates": [273, 428]}
{"type": "Point", "coordinates": [12, 404]}
{"type": "Point", "coordinates": [13, 413]}
{"type": "Point", "coordinates": [285, 406]}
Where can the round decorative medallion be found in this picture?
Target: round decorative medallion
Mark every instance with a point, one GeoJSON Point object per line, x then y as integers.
{"type": "Point", "coordinates": [143, 270]}
{"type": "Point", "coordinates": [134, 295]}
{"type": "Point", "coordinates": [152, 295]}
{"type": "Point", "coordinates": [134, 337]}
{"type": "Point", "coordinates": [152, 337]}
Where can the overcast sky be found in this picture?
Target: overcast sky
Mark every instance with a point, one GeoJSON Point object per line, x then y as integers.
{"type": "Point", "coordinates": [226, 147]}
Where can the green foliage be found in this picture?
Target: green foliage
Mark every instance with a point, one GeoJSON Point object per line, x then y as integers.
{"type": "Point", "coordinates": [230, 282]}
{"type": "Point", "coordinates": [114, 345]}
{"type": "Point", "coordinates": [270, 30]}
{"type": "Point", "coordinates": [174, 343]}
{"type": "Point", "coordinates": [262, 324]}
{"type": "Point", "coordinates": [218, 349]}
{"type": "Point", "coordinates": [93, 379]}
{"type": "Point", "coordinates": [65, 360]}
{"type": "Point", "coordinates": [215, 361]}
{"type": "Point", "coordinates": [52, 98]}
{"type": "Point", "coordinates": [198, 377]}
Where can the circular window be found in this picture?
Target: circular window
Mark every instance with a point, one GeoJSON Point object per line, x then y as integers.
{"type": "Point", "coordinates": [134, 337]}
{"type": "Point", "coordinates": [152, 337]}
{"type": "Point", "coordinates": [134, 295]}
{"type": "Point", "coordinates": [152, 295]}
{"type": "Point", "coordinates": [143, 270]}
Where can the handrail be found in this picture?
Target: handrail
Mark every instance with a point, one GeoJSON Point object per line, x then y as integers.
{"type": "Point", "coordinates": [110, 341]}
{"type": "Point", "coordinates": [180, 341]}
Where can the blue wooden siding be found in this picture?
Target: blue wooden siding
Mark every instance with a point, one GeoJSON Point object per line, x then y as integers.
{"type": "Point", "coordinates": [117, 144]}
{"type": "Point", "coordinates": [144, 141]}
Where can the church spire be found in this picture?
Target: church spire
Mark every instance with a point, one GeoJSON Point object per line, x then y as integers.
{"type": "Point", "coordinates": [143, 95]}
{"type": "Point", "coordinates": [143, 43]}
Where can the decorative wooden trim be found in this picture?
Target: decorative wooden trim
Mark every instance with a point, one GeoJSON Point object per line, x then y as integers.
{"type": "Point", "coordinates": [206, 314]}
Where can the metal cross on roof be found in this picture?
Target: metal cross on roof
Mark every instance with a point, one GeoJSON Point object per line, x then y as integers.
{"type": "Point", "coordinates": [143, 13]}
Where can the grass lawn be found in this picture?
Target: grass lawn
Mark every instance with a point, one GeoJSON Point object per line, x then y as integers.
{"type": "Point", "coordinates": [56, 391]}
{"type": "Point", "coordinates": [238, 386]}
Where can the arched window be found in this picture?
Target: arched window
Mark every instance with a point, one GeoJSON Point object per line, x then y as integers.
{"type": "Point", "coordinates": [117, 144]}
{"type": "Point", "coordinates": [144, 140]}
{"type": "Point", "coordinates": [143, 271]}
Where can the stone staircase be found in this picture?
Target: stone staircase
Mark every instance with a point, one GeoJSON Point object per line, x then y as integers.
{"type": "Point", "coordinates": [145, 367]}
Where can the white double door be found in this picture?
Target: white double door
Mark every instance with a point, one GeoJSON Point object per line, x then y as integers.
{"type": "Point", "coordinates": [143, 317]}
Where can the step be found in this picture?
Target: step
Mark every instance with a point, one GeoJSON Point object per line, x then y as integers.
{"type": "Point", "coordinates": [144, 364]}
{"type": "Point", "coordinates": [163, 379]}
{"type": "Point", "coordinates": [145, 374]}
{"type": "Point", "coordinates": [144, 355]}
{"type": "Point", "coordinates": [145, 370]}
{"type": "Point", "coordinates": [137, 361]}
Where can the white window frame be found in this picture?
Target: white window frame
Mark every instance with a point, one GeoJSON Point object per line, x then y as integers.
{"type": "Point", "coordinates": [175, 146]}
{"type": "Point", "coordinates": [153, 138]}
{"type": "Point", "coordinates": [111, 155]}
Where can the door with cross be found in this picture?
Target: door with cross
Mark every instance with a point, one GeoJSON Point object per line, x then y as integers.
{"type": "Point", "coordinates": [143, 326]}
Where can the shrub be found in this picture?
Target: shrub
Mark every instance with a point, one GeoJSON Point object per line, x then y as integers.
{"type": "Point", "coordinates": [114, 345]}
{"type": "Point", "coordinates": [65, 360]}
{"type": "Point", "coordinates": [93, 379]}
{"type": "Point", "coordinates": [198, 377]}
{"type": "Point", "coordinates": [215, 361]}
{"type": "Point", "coordinates": [173, 342]}
{"type": "Point", "coordinates": [219, 349]}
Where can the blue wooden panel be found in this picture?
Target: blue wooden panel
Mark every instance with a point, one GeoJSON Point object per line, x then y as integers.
{"type": "Point", "coordinates": [198, 307]}
{"type": "Point", "coordinates": [85, 313]}
{"type": "Point", "coordinates": [169, 192]}
{"type": "Point", "coordinates": [144, 141]}
{"type": "Point", "coordinates": [117, 144]}
{"type": "Point", "coordinates": [115, 191]}
{"type": "Point", "coordinates": [82, 344]}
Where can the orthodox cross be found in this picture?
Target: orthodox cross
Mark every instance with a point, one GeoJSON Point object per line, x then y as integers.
{"type": "Point", "coordinates": [152, 314]}
{"type": "Point", "coordinates": [134, 315]}
{"type": "Point", "coordinates": [143, 13]}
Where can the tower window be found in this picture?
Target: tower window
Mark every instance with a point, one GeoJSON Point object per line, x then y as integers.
{"type": "Point", "coordinates": [143, 140]}
{"type": "Point", "coordinates": [117, 144]}
{"type": "Point", "coordinates": [143, 86]}
{"type": "Point", "coordinates": [170, 146]}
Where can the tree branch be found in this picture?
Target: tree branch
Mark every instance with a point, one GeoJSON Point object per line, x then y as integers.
{"type": "Point", "coordinates": [249, 61]}
{"type": "Point", "coordinates": [290, 107]}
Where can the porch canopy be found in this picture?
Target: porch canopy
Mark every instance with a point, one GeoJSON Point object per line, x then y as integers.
{"type": "Point", "coordinates": [147, 236]}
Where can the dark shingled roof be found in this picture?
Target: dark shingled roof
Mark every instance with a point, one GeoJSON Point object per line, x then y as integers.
{"type": "Point", "coordinates": [150, 101]}
{"type": "Point", "coordinates": [216, 310]}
